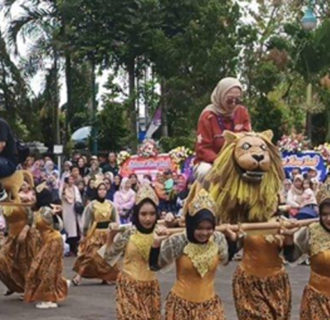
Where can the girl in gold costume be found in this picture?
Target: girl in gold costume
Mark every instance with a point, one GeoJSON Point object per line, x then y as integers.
{"type": "Point", "coordinates": [45, 282]}
{"type": "Point", "coordinates": [97, 216]}
{"type": "Point", "coordinates": [138, 293]}
{"type": "Point", "coordinates": [314, 240]}
{"type": "Point", "coordinates": [197, 254]}
{"type": "Point", "coordinates": [261, 285]}
{"type": "Point", "coordinates": [20, 248]}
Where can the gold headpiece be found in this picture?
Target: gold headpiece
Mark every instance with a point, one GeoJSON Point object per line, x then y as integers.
{"type": "Point", "coordinates": [146, 192]}
{"type": "Point", "coordinates": [202, 200]}
{"type": "Point", "coordinates": [98, 180]}
{"type": "Point", "coordinates": [324, 192]}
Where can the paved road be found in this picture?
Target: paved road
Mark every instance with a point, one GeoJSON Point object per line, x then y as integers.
{"type": "Point", "coordinates": [93, 301]}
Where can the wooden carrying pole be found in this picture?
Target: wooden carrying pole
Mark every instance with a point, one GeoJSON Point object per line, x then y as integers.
{"type": "Point", "coordinates": [258, 227]}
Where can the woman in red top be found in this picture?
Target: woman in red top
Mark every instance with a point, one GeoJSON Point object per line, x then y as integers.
{"type": "Point", "coordinates": [225, 113]}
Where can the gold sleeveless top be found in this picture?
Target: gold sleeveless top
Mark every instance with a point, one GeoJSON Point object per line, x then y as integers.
{"type": "Point", "coordinates": [136, 259]}
{"type": "Point", "coordinates": [319, 245]}
{"type": "Point", "coordinates": [190, 285]}
{"type": "Point", "coordinates": [102, 211]}
{"type": "Point", "coordinates": [261, 257]}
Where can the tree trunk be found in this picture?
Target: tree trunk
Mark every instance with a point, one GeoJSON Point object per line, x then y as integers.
{"type": "Point", "coordinates": [94, 109]}
{"type": "Point", "coordinates": [308, 114]}
{"type": "Point", "coordinates": [131, 84]}
{"type": "Point", "coordinates": [69, 106]}
{"type": "Point", "coordinates": [327, 138]}
{"type": "Point", "coordinates": [56, 120]}
{"type": "Point", "coordinates": [163, 89]}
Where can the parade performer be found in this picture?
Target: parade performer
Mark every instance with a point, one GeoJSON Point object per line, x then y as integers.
{"type": "Point", "coordinates": [197, 254]}
{"type": "Point", "coordinates": [225, 112]}
{"type": "Point", "coordinates": [261, 285]}
{"type": "Point", "coordinates": [21, 246]}
{"type": "Point", "coordinates": [138, 292]}
{"type": "Point", "coordinates": [45, 282]}
{"type": "Point", "coordinates": [97, 216]}
{"type": "Point", "coordinates": [314, 241]}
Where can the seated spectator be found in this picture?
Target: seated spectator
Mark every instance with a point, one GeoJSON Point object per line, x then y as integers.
{"type": "Point", "coordinates": [160, 191]}
{"type": "Point", "coordinates": [110, 189]}
{"type": "Point", "coordinates": [90, 193]}
{"type": "Point", "coordinates": [95, 171]}
{"type": "Point", "coordinates": [284, 191]}
{"type": "Point", "coordinates": [311, 173]}
{"type": "Point", "coordinates": [82, 189]}
{"type": "Point", "coordinates": [28, 163]}
{"type": "Point", "coordinates": [116, 182]}
{"type": "Point", "coordinates": [66, 170]}
{"type": "Point", "coordinates": [295, 171]}
{"type": "Point", "coordinates": [26, 194]}
{"type": "Point", "coordinates": [124, 200]}
{"type": "Point", "coordinates": [309, 207]}
{"type": "Point", "coordinates": [294, 199]}
{"type": "Point", "coordinates": [146, 180]}
{"type": "Point", "coordinates": [134, 182]}
{"type": "Point", "coordinates": [75, 174]}
{"type": "Point", "coordinates": [111, 165]}
{"type": "Point", "coordinates": [83, 170]}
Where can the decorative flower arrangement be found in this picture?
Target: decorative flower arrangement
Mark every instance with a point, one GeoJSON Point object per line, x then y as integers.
{"type": "Point", "coordinates": [293, 143]}
{"type": "Point", "coordinates": [324, 150]}
{"type": "Point", "coordinates": [122, 157]}
{"type": "Point", "coordinates": [180, 154]}
{"type": "Point", "coordinates": [148, 149]}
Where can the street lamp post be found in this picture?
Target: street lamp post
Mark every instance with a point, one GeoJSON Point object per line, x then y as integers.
{"type": "Point", "coordinates": [309, 23]}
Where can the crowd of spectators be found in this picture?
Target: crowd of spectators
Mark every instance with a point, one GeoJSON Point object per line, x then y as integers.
{"type": "Point", "coordinates": [75, 186]}
{"type": "Point", "coordinates": [298, 196]}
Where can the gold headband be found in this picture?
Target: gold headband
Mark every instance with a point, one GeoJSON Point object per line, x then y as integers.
{"type": "Point", "coordinates": [202, 200]}
{"type": "Point", "coordinates": [146, 192]}
{"type": "Point", "coordinates": [323, 193]}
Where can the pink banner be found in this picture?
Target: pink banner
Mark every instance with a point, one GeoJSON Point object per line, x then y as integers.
{"type": "Point", "coordinates": [152, 165]}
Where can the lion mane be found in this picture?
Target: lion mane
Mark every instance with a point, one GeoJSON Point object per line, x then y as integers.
{"type": "Point", "coordinates": [238, 199]}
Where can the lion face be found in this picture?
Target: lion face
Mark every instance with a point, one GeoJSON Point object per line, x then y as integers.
{"type": "Point", "coordinates": [252, 157]}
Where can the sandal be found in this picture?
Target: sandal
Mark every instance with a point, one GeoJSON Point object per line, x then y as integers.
{"type": "Point", "coordinates": [8, 293]}
{"type": "Point", "coordinates": [75, 282]}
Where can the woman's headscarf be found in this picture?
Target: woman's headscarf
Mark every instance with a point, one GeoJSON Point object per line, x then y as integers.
{"type": "Point", "coordinates": [97, 197]}
{"type": "Point", "coordinates": [49, 167]}
{"type": "Point", "coordinates": [294, 188]}
{"type": "Point", "coordinates": [122, 185]}
{"type": "Point", "coordinates": [192, 222]}
{"type": "Point", "coordinates": [223, 86]}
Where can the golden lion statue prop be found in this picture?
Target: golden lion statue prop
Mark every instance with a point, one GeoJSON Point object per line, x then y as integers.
{"type": "Point", "coordinates": [13, 183]}
{"type": "Point", "coordinates": [245, 178]}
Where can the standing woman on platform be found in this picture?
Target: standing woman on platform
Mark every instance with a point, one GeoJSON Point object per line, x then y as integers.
{"type": "Point", "coordinates": [138, 292]}
{"type": "Point", "coordinates": [225, 112]}
{"type": "Point", "coordinates": [197, 253]}
{"type": "Point", "coordinates": [97, 216]}
{"type": "Point", "coordinates": [314, 241]}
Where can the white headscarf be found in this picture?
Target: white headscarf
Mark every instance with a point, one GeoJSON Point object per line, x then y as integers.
{"type": "Point", "coordinates": [223, 86]}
